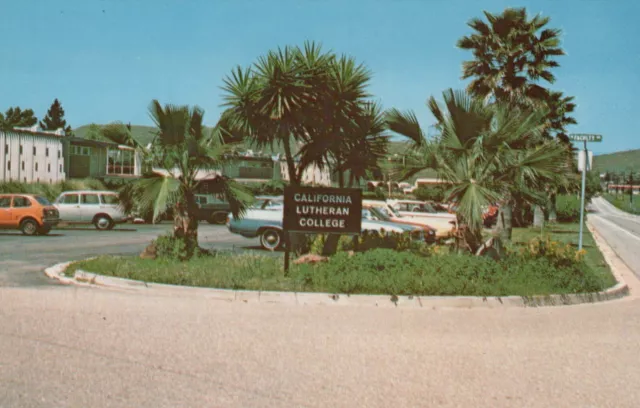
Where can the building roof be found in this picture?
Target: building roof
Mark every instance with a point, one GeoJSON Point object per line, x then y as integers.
{"type": "Point", "coordinates": [36, 131]}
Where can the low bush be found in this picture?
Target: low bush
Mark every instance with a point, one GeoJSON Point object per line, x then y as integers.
{"type": "Point", "coordinates": [568, 208]}
{"type": "Point", "coordinates": [435, 193]}
{"type": "Point", "coordinates": [371, 240]}
{"type": "Point", "coordinates": [51, 191]}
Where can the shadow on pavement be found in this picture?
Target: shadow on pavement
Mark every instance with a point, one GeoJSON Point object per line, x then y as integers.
{"type": "Point", "coordinates": [19, 234]}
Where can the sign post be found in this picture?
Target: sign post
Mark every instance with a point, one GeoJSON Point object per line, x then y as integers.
{"type": "Point", "coordinates": [321, 210]}
{"type": "Point", "coordinates": [583, 137]}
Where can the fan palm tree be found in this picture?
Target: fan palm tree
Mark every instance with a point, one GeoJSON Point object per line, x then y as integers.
{"type": "Point", "coordinates": [512, 54]}
{"type": "Point", "coordinates": [183, 150]}
{"type": "Point", "coordinates": [277, 99]}
{"type": "Point", "coordinates": [485, 153]}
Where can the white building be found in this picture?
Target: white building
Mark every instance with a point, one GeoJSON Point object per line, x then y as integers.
{"type": "Point", "coordinates": [32, 155]}
{"type": "Point", "coordinates": [312, 175]}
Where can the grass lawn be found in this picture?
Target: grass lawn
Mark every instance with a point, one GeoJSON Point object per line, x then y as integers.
{"type": "Point", "coordinates": [568, 234]}
{"type": "Point", "coordinates": [622, 202]}
{"type": "Point", "coordinates": [381, 271]}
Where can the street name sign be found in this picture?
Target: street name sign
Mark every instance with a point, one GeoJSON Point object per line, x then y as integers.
{"type": "Point", "coordinates": [322, 210]}
{"type": "Point", "coordinates": [585, 137]}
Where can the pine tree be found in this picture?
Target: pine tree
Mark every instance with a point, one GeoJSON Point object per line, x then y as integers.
{"type": "Point", "coordinates": [55, 119]}
{"type": "Point", "coordinates": [16, 117]}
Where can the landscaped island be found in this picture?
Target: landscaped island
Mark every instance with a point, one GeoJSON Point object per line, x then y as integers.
{"type": "Point", "coordinates": [537, 264]}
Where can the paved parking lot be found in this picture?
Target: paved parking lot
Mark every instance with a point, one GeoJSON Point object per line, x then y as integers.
{"type": "Point", "coordinates": [22, 258]}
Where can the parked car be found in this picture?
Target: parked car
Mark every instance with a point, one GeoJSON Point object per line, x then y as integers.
{"type": "Point", "coordinates": [31, 214]}
{"type": "Point", "coordinates": [380, 211]}
{"type": "Point", "coordinates": [269, 203]}
{"type": "Point", "coordinates": [267, 225]}
{"type": "Point", "coordinates": [445, 224]}
{"type": "Point", "coordinates": [212, 209]}
{"type": "Point", "coordinates": [100, 208]}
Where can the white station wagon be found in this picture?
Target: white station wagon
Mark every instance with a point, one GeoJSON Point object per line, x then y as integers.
{"type": "Point", "coordinates": [100, 208]}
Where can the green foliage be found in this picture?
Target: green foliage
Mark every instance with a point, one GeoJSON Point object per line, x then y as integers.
{"type": "Point", "coordinates": [170, 247]}
{"type": "Point", "coordinates": [380, 271]}
{"type": "Point", "coordinates": [54, 119]}
{"type": "Point", "coordinates": [370, 240]}
{"type": "Point", "coordinates": [425, 193]}
{"type": "Point", "coordinates": [623, 202]}
{"type": "Point", "coordinates": [568, 208]}
{"type": "Point", "coordinates": [617, 162]}
{"type": "Point", "coordinates": [270, 188]}
{"type": "Point", "coordinates": [51, 191]}
{"type": "Point", "coordinates": [377, 194]}
{"type": "Point", "coordinates": [16, 117]}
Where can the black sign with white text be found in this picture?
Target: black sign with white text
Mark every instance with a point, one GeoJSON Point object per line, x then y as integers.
{"type": "Point", "coordinates": [322, 210]}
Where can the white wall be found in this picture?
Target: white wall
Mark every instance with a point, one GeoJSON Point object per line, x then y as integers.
{"type": "Point", "coordinates": [311, 175]}
{"type": "Point", "coordinates": [27, 167]}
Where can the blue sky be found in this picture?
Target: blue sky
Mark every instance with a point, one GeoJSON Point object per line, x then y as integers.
{"type": "Point", "coordinates": [106, 59]}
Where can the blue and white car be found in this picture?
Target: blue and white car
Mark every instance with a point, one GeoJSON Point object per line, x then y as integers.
{"type": "Point", "coordinates": [267, 225]}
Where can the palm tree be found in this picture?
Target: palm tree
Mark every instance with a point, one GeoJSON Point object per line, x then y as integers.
{"type": "Point", "coordinates": [512, 54]}
{"type": "Point", "coordinates": [485, 153]}
{"type": "Point", "coordinates": [183, 149]}
{"type": "Point", "coordinates": [277, 99]}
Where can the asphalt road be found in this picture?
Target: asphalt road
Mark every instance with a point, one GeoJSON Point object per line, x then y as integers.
{"type": "Point", "coordinates": [620, 229]}
{"type": "Point", "coordinates": [93, 347]}
{"type": "Point", "coordinates": [22, 258]}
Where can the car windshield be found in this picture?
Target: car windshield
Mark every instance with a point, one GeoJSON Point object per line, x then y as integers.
{"type": "Point", "coordinates": [378, 213]}
{"type": "Point", "coordinates": [42, 200]}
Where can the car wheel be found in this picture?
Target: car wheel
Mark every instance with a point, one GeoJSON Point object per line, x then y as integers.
{"type": "Point", "coordinates": [29, 227]}
{"type": "Point", "coordinates": [103, 222]}
{"type": "Point", "coordinates": [271, 239]}
{"type": "Point", "coordinates": [44, 230]}
{"type": "Point", "coordinates": [218, 218]}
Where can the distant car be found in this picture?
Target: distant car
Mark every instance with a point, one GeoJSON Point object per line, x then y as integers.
{"type": "Point", "coordinates": [212, 209]}
{"type": "Point", "coordinates": [267, 225]}
{"type": "Point", "coordinates": [444, 223]}
{"type": "Point", "coordinates": [381, 213]}
{"type": "Point", "coordinates": [100, 208]}
{"type": "Point", "coordinates": [31, 214]}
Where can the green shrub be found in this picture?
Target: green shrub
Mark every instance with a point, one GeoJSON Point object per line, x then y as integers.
{"type": "Point", "coordinates": [169, 247]}
{"type": "Point", "coordinates": [403, 273]}
{"type": "Point", "coordinates": [377, 194]}
{"type": "Point", "coordinates": [425, 193]}
{"type": "Point", "coordinates": [568, 208]}
{"type": "Point", "coordinates": [369, 240]}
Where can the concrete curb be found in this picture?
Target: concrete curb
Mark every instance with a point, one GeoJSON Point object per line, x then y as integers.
{"type": "Point", "coordinates": [617, 291]}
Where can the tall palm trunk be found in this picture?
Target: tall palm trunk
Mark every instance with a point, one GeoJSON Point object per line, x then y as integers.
{"type": "Point", "coordinates": [185, 223]}
{"type": "Point", "coordinates": [504, 227]}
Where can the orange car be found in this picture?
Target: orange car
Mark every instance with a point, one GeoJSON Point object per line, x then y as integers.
{"type": "Point", "coordinates": [31, 214]}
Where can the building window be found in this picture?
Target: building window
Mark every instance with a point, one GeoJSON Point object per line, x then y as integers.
{"type": "Point", "coordinates": [49, 168]}
{"type": "Point", "coordinates": [34, 150]}
{"type": "Point", "coordinates": [6, 149]}
{"type": "Point", "coordinates": [9, 165]}
{"type": "Point", "coordinates": [120, 162]}
{"type": "Point", "coordinates": [20, 149]}
{"type": "Point", "coordinates": [81, 151]}
{"type": "Point", "coordinates": [46, 152]}
{"type": "Point", "coordinates": [36, 166]}
{"type": "Point", "coordinates": [61, 168]}
{"type": "Point", "coordinates": [58, 154]}
{"type": "Point", "coordinates": [23, 165]}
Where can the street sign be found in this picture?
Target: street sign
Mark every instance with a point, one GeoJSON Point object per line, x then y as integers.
{"type": "Point", "coordinates": [322, 210]}
{"type": "Point", "coordinates": [581, 160]}
{"type": "Point", "coordinates": [585, 137]}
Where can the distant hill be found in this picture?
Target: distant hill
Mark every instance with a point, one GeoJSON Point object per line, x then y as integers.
{"type": "Point", "coordinates": [618, 162]}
